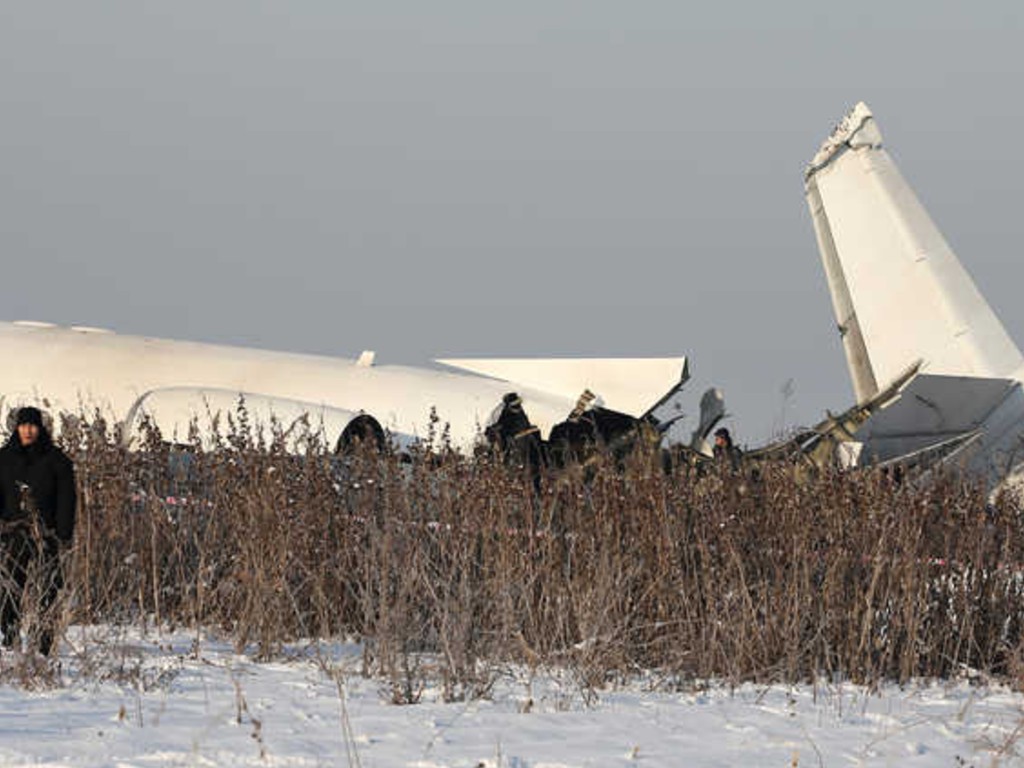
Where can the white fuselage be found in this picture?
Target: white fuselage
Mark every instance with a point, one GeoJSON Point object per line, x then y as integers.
{"type": "Point", "coordinates": [68, 369]}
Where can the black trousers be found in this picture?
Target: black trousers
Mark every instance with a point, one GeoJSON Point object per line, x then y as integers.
{"type": "Point", "coordinates": [22, 555]}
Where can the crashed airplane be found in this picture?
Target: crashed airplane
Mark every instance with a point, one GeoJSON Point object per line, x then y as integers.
{"type": "Point", "coordinates": [936, 376]}
{"type": "Point", "coordinates": [171, 383]}
{"type": "Point", "coordinates": [938, 380]}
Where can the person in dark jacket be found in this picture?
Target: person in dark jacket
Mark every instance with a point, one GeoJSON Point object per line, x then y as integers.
{"type": "Point", "coordinates": [516, 438]}
{"type": "Point", "coordinates": [37, 520]}
{"type": "Point", "coordinates": [725, 451]}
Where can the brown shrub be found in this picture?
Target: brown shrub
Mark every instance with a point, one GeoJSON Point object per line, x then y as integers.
{"type": "Point", "coordinates": [446, 567]}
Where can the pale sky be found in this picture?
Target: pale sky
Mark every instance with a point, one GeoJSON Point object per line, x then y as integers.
{"type": "Point", "coordinates": [472, 178]}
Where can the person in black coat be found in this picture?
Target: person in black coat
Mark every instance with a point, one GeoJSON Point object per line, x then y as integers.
{"type": "Point", "coordinates": [37, 519]}
{"type": "Point", "coordinates": [725, 451]}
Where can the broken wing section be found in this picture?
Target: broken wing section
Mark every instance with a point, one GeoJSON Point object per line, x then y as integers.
{"type": "Point", "coordinates": [899, 292]}
{"type": "Point", "coordinates": [633, 386]}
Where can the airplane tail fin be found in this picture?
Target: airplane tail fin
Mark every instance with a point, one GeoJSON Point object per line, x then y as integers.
{"type": "Point", "coordinates": [898, 291]}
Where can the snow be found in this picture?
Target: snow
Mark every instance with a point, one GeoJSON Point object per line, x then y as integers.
{"type": "Point", "coordinates": [127, 700]}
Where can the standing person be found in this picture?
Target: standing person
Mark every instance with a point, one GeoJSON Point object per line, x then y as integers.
{"type": "Point", "coordinates": [516, 438]}
{"type": "Point", "coordinates": [724, 450]}
{"type": "Point", "coordinates": [37, 519]}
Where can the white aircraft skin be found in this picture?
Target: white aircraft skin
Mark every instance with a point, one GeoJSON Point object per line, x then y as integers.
{"type": "Point", "coordinates": [901, 296]}
{"type": "Point", "coordinates": [66, 369]}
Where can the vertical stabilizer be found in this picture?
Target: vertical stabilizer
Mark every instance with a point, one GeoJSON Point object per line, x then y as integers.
{"type": "Point", "coordinates": [899, 292]}
{"type": "Point", "coordinates": [865, 386]}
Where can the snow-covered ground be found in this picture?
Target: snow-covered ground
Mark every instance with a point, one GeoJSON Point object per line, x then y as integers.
{"type": "Point", "coordinates": [131, 701]}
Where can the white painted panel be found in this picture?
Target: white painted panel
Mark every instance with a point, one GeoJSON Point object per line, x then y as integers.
{"type": "Point", "coordinates": [173, 410]}
{"type": "Point", "coordinates": [937, 407]}
{"type": "Point", "coordinates": [627, 385]}
{"type": "Point", "coordinates": [912, 297]}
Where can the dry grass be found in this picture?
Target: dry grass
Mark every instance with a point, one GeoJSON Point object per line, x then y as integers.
{"type": "Point", "coordinates": [447, 568]}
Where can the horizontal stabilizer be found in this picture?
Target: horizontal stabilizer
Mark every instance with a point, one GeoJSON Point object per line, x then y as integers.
{"type": "Point", "coordinates": [628, 385]}
{"type": "Point", "coordinates": [930, 410]}
{"type": "Point", "coordinates": [955, 451]}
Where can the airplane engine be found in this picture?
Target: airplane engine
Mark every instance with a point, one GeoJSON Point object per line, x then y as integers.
{"type": "Point", "coordinates": [174, 409]}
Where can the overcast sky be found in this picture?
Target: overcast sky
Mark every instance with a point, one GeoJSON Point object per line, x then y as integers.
{"type": "Point", "coordinates": [475, 178]}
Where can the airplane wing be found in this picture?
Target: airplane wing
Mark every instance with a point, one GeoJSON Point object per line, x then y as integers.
{"type": "Point", "coordinates": [633, 386]}
{"type": "Point", "coordinates": [898, 291]}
